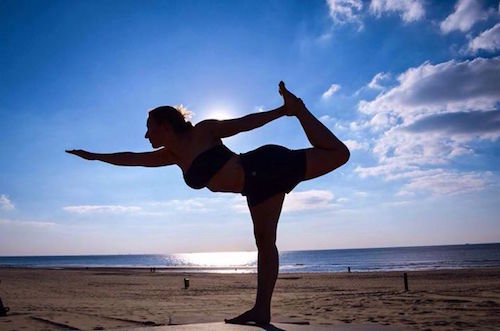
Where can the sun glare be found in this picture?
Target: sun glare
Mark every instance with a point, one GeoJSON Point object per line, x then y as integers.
{"type": "Point", "coordinates": [219, 259]}
{"type": "Point", "coordinates": [219, 113]}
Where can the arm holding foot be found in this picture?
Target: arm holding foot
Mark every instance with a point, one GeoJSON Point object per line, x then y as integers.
{"type": "Point", "coordinates": [227, 128]}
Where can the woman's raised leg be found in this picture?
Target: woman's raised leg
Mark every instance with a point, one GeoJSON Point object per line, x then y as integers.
{"type": "Point", "coordinates": [328, 152]}
{"type": "Point", "coordinates": [265, 218]}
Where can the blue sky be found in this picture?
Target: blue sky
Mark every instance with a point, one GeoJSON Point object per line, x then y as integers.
{"type": "Point", "coordinates": [413, 87]}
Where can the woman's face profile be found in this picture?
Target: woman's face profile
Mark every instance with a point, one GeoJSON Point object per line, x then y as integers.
{"type": "Point", "coordinates": [153, 133]}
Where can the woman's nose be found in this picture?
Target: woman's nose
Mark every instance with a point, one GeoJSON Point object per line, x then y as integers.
{"type": "Point", "coordinates": [146, 135]}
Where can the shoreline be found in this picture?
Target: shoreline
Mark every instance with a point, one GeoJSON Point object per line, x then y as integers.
{"type": "Point", "coordinates": [214, 270]}
{"type": "Point", "coordinates": [106, 298]}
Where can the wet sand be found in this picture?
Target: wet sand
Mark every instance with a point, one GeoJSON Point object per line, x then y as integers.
{"type": "Point", "coordinates": [93, 299]}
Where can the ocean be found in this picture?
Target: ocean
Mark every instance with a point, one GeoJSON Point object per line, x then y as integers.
{"type": "Point", "coordinates": [334, 260]}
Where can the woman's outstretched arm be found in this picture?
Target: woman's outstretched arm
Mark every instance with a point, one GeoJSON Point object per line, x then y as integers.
{"type": "Point", "coordinates": [227, 128]}
{"type": "Point", "coordinates": [157, 158]}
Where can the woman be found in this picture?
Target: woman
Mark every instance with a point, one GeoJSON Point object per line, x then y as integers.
{"type": "Point", "coordinates": [263, 175]}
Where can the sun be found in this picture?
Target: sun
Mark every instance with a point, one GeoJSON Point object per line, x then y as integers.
{"type": "Point", "coordinates": [219, 113]}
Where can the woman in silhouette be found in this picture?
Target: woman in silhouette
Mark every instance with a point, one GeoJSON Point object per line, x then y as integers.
{"type": "Point", "coordinates": [263, 175]}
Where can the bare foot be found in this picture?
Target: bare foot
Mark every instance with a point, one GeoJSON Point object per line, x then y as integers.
{"type": "Point", "coordinates": [249, 317]}
{"type": "Point", "coordinates": [293, 105]}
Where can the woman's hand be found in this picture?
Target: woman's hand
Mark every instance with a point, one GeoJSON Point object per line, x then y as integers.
{"type": "Point", "coordinates": [81, 153]}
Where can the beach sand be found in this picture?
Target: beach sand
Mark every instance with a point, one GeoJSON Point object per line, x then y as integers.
{"type": "Point", "coordinates": [93, 299]}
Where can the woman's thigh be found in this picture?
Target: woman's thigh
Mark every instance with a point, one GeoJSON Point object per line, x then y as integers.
{"type": "Point", "coordinates": [321, 161]}
{"type": "Point", "coordinates": [265, 218]}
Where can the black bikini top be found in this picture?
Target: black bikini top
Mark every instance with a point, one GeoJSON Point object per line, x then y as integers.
{"type": "Point", "coordinates": [206, 165]}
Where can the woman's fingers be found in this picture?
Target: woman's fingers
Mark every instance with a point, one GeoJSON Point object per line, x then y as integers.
{"type": "Point", "coordinates": [79, 152]}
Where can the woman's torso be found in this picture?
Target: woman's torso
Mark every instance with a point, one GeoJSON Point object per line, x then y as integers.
{"type": "Point", "coordinates": [229, 178]}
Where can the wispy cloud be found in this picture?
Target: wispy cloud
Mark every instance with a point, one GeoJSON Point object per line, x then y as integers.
{"type": "Point", "coordinates": [436, 181]}
{"type": "Point", "coordinates": [346, 11]}
{"type": "Point", "coordinates": [215, 204]}
{"type": "Point", "coordinates": [466, 14]}
{"type": "Point", "coordinates": [445, 182]}
{"type": "Point", "coordinates": [5, 203]}
{"type": "Point", "coordinates": [331, 90]}
{"type": "Point", "coordinates": [409, 10]}
{"type": "Point", "coordinates": [355, 145]}
{"type": "Point", "coordinates": [295, 201]}
{"type": "Point", "coordinates": [192, 205]}
{"type": "Point", "coordinates": [378, 80]}
{"type": "Point", "coordinates": [306, 200]}
{"type": "Point", "coordinates": [35, 224]}
{"type": "Point", "coordinates": [488, 40]}
{"type": "Point", "coordinates": [90, 209]}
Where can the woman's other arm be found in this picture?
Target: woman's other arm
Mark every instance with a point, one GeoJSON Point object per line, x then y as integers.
{"type": "Point", "coordinates": [157, 158]}
{"type": "Point", "coordinates": [227, 128]}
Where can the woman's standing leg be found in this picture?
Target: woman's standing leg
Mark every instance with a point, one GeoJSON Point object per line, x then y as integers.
{"type": "Point", "coordinates": [265, 218]}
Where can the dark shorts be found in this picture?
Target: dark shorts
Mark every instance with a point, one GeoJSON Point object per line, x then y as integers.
{"type": "Point", "coordinates": [271, 169]}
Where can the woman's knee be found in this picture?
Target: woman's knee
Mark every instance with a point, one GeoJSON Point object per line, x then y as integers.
{"type": "Point", "coordinates": [265, 244]}
{"type": "Point", "coordinates": [265, 238]}
{"type": "Point", "coordinates": [321, 161]}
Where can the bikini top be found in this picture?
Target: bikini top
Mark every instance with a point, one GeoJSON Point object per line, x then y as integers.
{"type": "Point", "coordinates": [206, 165]}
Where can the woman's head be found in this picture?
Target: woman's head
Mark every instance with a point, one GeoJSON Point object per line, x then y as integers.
{"type": "Point", "coordinates": [164, 121]}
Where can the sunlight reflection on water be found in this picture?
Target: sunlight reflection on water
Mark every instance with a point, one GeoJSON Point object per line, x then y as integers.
{"type": "Point", "coordinates": [220, 261]}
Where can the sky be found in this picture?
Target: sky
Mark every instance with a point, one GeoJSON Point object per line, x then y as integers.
{"type": "Point", "coordinates": [411, 86]}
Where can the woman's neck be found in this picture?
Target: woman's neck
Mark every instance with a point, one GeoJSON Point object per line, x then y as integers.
{"type": "Point", "coordinates": [182, 147]}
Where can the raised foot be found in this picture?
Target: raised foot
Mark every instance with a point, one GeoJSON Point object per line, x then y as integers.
{"type": "Point", "coordinates": [249, 317]}
{"type": "Point", "coordinates": [293, 105]}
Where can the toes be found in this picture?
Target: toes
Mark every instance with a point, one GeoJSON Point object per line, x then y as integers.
{"type": "Point", "coordinates": [281, 87]}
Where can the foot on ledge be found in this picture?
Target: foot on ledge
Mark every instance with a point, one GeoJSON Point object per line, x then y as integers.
{"type": "Point", "coordinates": [249, 317]}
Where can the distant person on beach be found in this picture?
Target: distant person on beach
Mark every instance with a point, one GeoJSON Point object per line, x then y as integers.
{"type": "Point", "coordinates": [263, 175]}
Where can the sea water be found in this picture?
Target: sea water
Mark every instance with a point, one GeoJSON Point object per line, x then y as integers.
{"type": "Point", "coordinates": [334, 260]}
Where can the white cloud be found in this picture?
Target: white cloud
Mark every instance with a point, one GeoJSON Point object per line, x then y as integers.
{"type": "Point", "coordinates": [385, 170]}
{"type": "Point", "coordinates": [488, 40]}
{"type": "Point", "coordinates": [345, 11]}
{"type": "Point", "coordinates": [219, 202]}
{"type": "Point", "coordinates": [89, 209]}
{"type": "Point", "coordinates": [326, 119]}
{"type": "Point", "coordinates": [431, 181]}
{"type": "Point", "coordinates": [312, 199]}
{"type": "Point", "coordinates": [295, 201]}
{"type": "Point", "coordinates": [442, 88]}
{"type": "Point", "coordinates": [35, 224]}
{"type": "Point", "coordinates": [358, 126]}
{"type": "Point", "coordinates": [331, 90]}
{"type": "Point", "coordinates": [355, 145]}
{"type": "Point", "coordinates": [337, 123]}
{"type": "Point", "coordinates": [409, 10]}
{"type": "Point", "coordinates": [5, 203]}
{"type": "Point", "coordinates": [193, 205]}
{"type": "Point", "coordinates": [377, 80]}
{"type": "Point", "coordinates": [446, 182]}
{"type": "Point", "coordinates": [429, 119]}
{"type": "Point", "coordinates": [466, 14]}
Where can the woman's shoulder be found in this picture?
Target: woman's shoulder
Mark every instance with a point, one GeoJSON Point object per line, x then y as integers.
{"type": "Point", "coordinates": [205, 125]}
{"type": "Point", "coordinates": [203, 130]}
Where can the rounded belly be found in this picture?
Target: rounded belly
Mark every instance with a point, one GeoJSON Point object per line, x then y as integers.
{"type": "Point", "coordinates": [230, 178]}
